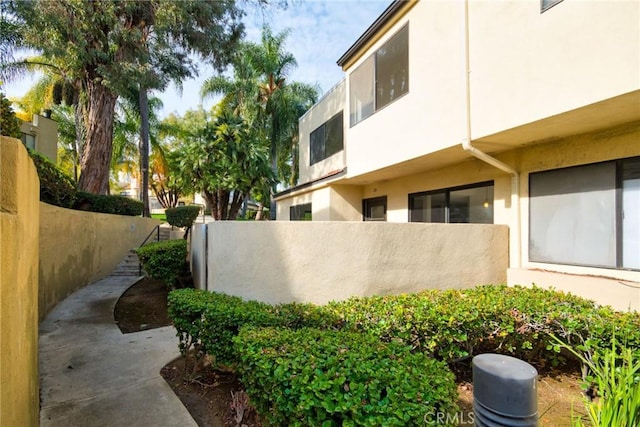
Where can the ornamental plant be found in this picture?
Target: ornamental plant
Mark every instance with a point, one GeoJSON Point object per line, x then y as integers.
{"type": "Point", "coordinates": [182, 216]}
{"type": "Point", "coordinates": [56, 188]}
{"type": "Point", "coordinates": [165, 261]}
{"type": "Point", "coordinates": [332, 378]}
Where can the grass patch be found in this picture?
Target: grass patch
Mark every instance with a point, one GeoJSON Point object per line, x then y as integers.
{"type": "Point", "coordinates": [161, 216]}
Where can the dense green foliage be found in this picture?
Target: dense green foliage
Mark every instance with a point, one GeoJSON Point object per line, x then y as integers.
{"type": "Point", "coordinates": [56, 188]}
{"type": "Point", "coordinates": [296, 377]}
{"type": "Point", "coordinates": [118, 205]}
{"type": "Point", "coordinates": [517, 321]}
{"type": "Point", "coordinates": [331, 378]}
{"type": "Point", "coordinates": [165, 261]}
{"type": "Point", "coordinates": [182, 216]}
{"type": "Point", "coordinates": [9, 123]}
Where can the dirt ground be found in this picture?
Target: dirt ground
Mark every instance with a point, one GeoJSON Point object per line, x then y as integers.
{"type": "Point", "coordinates": [216, 398]}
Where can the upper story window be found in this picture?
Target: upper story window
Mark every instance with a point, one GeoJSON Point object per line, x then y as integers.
{"type": "Point", "coordinates": [326, 140]}
{"type": "Point", "coordinates": [381, 78]}
{"type": "Point", "coordinates": [468, 204]}
{"type": "Point", "coordinates": [546, 4]}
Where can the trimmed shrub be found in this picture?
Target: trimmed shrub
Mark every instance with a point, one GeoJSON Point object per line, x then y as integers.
{"type": "Point", "coordinates": [209, 321]}
{"type": "Point", "coordinates": [56, 188]}
{"type": "Point", "coordinates": [456, 324]}
{"type": "Point", "coordinates": [165, 261]}
{"type": "Point", "coordinates": [118, 205]}
{"type": "Point", "coordinates": [182, 216]}
{"type": "Point", "coordinates": [332, 378]}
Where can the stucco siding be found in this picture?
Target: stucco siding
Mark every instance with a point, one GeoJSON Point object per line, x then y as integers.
{"type": "Point", "coordinates": [323, 261]}
{"type": "Point", "coordinates": [19, 190]}
{"type": "Point", "coordinates": [78, 248]}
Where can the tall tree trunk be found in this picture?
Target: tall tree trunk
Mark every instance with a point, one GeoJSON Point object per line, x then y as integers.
{"type": "Point", "coordinates": [144, 150]}
{"type": "Point", "coordinates": [96, 155]}
{"type": "Point", "coordinates": [274, 166]}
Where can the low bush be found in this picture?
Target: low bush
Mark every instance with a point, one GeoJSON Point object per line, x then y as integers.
{"type": "Point", "coordinates": [165, 261]}
{"type": "Point", "coordinates": [56, 188]}
{"type": "Point", "coordinates": [118, 205]}
{"type": "Point", "coordinates": [182, 216]}
{"type": "Point", "coordinates": [332, 378]}
{"type": "Point", "coordinates": [209, 321]}
{"type": "Point", "coordinates": [518, 321]}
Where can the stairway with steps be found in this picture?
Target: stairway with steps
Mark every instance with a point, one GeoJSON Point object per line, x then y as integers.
{"type": "Point", "coordinates": [130, 265]}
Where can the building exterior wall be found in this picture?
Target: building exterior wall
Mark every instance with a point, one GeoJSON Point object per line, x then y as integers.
{"type": "Point", "coordinates": [100, 242]}
{"type": "Point", "coordinates": [45, 132]}
{"type": "Point", "coordinates": [330, 104]}
{"type": "Point", "coordinates": [19, 191]}
{"type": "Point", "coordinates": [526, 65]}
{"type": "Point", "coordinates": [430, 116]}
{"type": "Point", "coordinates": [322, 261]}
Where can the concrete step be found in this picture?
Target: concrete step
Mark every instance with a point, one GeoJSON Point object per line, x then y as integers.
{"type": "Point", "coordinates": [129, 266]}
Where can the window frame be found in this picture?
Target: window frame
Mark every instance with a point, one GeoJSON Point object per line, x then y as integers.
{"type": "Point", "coordinates": [447, 192]}
{"type": "Point", "coordinates": [365, 207]}
{"type": "Point", "coordinates": [373, 57]}
{"type": "Point", "coordinates": [303, 208]}
{"type": "Point", "coordinates": [548, 4]}
{"type": "Point", "coordinates": [617, 214]}
{"type": "Point", "coordinates": [323, 128]}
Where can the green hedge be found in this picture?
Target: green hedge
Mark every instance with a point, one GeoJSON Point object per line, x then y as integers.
{"type": "Point", "coordinates": [118, 205]}
{"type": "Point", "coordinates": [210, 320]}
{"type": "Point", "coordinates": [182, 216]}
{"type": "Point", "coordinates": [454, 324]}
{"type": "Point", "coordinates": [56, 188]}
{"type": "Point", "coordinates": [164, 260]}
{"type": "Point", "coordinates": [330, 378]}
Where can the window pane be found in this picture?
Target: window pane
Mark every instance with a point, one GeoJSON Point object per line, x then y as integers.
{"type": "Point", "coordinates": [300, 212]}
{"type": "Point", "coordinates": [392, 69]}
{"type": "Point", "coordinates": [334, 135]}
{"type": "Point", "coordinates": [572, 216]}
{"type": "Point", "coordinates": [428, 207]}
{"type": "Point", "coordinates": [375, 209]}
{"type": "Point", "coordinates": [316, 145]}
{"type": "Point", "coordinates": [361, 92]}
{"type": "Point", "coordinates": [631, 213]}
{"type": "Point", "coordinates": [471, 205]}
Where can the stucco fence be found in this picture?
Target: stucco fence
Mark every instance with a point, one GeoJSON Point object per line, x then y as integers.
{"type": "Point", "coordinates": [46, 253]}
{"type": "Point", "coordinates": [318, 262]}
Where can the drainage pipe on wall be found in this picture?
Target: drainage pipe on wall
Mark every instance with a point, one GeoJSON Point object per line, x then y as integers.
{"type": "Point", "coordinates": [481, 155]}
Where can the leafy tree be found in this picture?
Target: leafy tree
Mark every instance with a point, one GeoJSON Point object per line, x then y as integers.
{"type": "Point", "coordinates": [105, 46]}
{"type": "Point", "coordinates": [223, 158]}
{"type": "Point", "coordinates": [9, 123]}
{"type": "Point", "coordinates": [260, 92]}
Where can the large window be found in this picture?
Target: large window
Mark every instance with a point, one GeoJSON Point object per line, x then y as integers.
{"type": "Point", "coordinates": [468, 204]}
{"type": "Point", "coordinates": [375, 209]}
{"type": "Point", "coordinates": [300, 212]}
{"type": "Point", "coordinates": [381, 78]}
{"type": "Point", "coordinates": [326, 140]}
{"type": "Point", "coordinates": [586, 215]}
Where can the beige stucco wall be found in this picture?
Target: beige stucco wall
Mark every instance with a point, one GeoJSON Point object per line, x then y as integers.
{"type": "Point", "coordinates": [527, 65]}
{"type": "Point", "coordinates": [78, 248]}
{"type": "Point", "coordinates": [330, 105]}
{"type": "Point", "coordinates": [431, 115]}
{"type": "Point", "coordinates": [46, 135]}
{"type": "Point", "coordinates": [19, 192]}
{"type": "Point", "coordinates": [323, 261]}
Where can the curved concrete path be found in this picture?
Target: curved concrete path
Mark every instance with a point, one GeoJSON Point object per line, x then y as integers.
{"type": "Point", "coordinates": [93, 375]}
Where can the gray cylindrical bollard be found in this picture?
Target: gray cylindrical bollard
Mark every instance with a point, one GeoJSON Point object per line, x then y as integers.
{"type": "Point", "coordinates": [504, 392]}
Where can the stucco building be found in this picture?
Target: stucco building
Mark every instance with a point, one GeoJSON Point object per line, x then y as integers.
{"type": "Point", "coordinates": [41, 134]}
{"type": "Point", "coordinates": [523, 113]}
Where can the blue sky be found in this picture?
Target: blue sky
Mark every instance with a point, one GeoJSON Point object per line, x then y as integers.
{"type": "Point", "coordinates": [321, 31]}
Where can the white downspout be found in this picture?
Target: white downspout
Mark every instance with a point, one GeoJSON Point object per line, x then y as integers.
{"type": "Point", "coordinates": [466, 145]}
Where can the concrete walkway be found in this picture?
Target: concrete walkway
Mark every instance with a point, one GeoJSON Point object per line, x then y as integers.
{"type": "Point", "coordinates": [93, 375]}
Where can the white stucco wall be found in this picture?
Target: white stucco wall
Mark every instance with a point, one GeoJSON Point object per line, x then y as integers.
{"type": "Point", "coordinates": [323, 261]}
